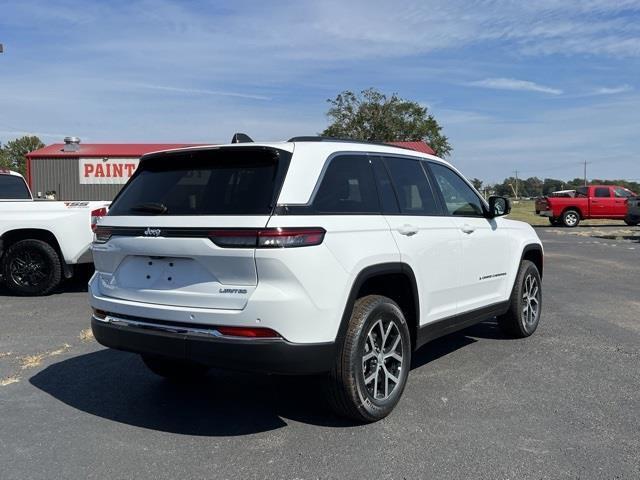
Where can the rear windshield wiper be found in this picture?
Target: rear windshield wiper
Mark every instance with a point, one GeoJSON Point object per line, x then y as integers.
{"type": "Point", "coordinates": [151, 207]}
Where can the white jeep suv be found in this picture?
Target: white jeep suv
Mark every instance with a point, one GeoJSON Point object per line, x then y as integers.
{"type": "Point", "coordinates": [312, 256]}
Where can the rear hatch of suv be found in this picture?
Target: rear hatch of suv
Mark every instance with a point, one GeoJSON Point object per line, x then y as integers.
{"type": "Point", "coordinates": [182, 231]}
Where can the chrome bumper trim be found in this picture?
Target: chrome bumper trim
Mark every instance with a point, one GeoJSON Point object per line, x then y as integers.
{"type": "Point", "coordinates": [176, 329]}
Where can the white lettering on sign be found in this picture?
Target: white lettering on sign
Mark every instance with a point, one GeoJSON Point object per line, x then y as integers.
{"type": "Point", "coordinates": [106, 171]}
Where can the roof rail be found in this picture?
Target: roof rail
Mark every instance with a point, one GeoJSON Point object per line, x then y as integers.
{"type": "Point", "coordinates": [341, 140]}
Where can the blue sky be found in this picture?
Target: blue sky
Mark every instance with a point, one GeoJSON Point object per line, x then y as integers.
{"type": "Point", "coordinates": [534, 86]}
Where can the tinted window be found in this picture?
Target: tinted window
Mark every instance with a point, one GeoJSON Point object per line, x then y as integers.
{"type": "Point", "coordinates": [459, 197]}
{"type": "Point", "coordinates": [348, 186]}
{"type": "Point", "coordinates": [215, 182]}
{"type": "Point", "coordinates": [385, 187]}
{"type": "Point", "coordinates": [622, 192]}
{"type": "Point", "coordinates": [412, 188]}
{"type": "Point", "coordinates": [581, 191]}
{"type": "Point", "coordinates": [603, 192]}
{"type": "Point", "coordinates": [13, 188]}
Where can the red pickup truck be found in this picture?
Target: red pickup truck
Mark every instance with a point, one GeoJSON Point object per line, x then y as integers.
{"type": "Point", "coordinates": [596, 201]}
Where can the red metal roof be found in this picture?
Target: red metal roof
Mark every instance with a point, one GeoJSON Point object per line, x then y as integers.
{"type": "Point", "coordinates": [105, 150]}
{"type": "Point", "coordinates": [417, 146]}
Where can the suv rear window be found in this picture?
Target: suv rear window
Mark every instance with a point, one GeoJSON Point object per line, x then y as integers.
{"type": "Point", "coordinates": [232, 181]}
{"type": "Point", "coordinates": [13, 188]}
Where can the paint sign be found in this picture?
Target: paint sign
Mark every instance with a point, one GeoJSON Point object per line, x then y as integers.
{"type": "Point", "coordinates": [106, 171]}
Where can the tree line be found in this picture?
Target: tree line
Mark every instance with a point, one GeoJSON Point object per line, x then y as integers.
{"type": "Point", "coordinates": [536, 187]}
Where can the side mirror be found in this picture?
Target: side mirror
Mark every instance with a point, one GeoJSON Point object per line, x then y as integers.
{"type": "Point", "coordinates": [499, 206]}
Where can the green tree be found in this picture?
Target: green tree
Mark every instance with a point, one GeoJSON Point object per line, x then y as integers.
{"type": "Point", "coordinates": [4, 161]}
{"type": "Point", "coordinates": [14, 152]}
{"type": "Point", "coordinates": [376, 117]}
{"type": "Point", "coordinates": [477, 183]}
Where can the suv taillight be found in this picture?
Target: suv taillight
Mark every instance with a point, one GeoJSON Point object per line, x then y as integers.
{"type": "Point", "coordinates": [102, 234]}
{"type": "Point", "coordinates": [96, 215]}
{"type": "Point", "coordinates": [268, 237]}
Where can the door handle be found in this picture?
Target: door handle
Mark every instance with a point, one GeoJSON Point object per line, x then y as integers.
{"type": "Point", "coordinates": [466, 228]}
{"type": "Point", "coordinates": [408, 230]}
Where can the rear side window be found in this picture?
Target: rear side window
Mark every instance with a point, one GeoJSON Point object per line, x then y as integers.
{"type": "Point", "coordinates": [13, 188]}
{"type": "Point", "coordinates": [234, 181]}
{"type": "Point", "coordinates": [412, 187]}
{"type": "Point", "coordinates": [348, 186]}
{"type": "Point", "coordinates": [603, 192]}
{"type": "Point", "coordinates": [581, 191]}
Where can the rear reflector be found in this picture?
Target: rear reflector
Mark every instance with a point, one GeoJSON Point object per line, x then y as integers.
{"type": "Point", "coordinates": [247, 332]}
{"type": "Point", "coordinates": [268, 237]}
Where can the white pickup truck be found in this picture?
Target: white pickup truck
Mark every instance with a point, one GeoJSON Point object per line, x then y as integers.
{"type": "Point", "coordinates": [41, 241]}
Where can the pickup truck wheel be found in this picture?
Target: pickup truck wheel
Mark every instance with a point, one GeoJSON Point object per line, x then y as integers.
{"type": "Point", "coordinates": [525, 307]}
{"type": "Point", "coordinates": [554, 221]}
{"type": "Point", "coordinates": [373, 361]}
{"type": "Point", "coordinates": [631, 223]}
{"type": "Point", "coordinates": [174, 369]}
{"type": "Point", "coordinates": [570, 218]}
{"type": "Point", "coordinates": [31, 267]}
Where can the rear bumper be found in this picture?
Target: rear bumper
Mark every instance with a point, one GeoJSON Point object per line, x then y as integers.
{"type": "Point", "coordinates": [203, 346]}
{"type": "Point", "coordinates": [546, 213]}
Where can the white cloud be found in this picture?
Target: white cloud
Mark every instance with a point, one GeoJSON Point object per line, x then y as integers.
{"type": "Point", "coordinates": [613, 90]}
{"type": "Point", "coordinates": [514, 84]}
{"type": "Point", "coordinates": [199, 91]}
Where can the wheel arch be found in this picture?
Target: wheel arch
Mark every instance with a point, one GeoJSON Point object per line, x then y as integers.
{"type": "Point", "coordinates": [395, 280]}
{"type": "Point", "coordinates": [13, 236]}
{"type": "Point", "coordinates": [577, 209]}
{"type": "Point", "coordinates": [534, 253]}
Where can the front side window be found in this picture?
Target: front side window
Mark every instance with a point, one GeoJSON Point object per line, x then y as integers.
{"type": "Point", "coordinates": [412, 187]}
{"type": "Point", "coordinates": [603, 192]}
{"type": "Point", "coordinates": [621, 192]}
{"type": "Point", "coordinates": [459, 197]}
{"type": "Point", "coordinates": [348, 186]}
{"type": "Point", "coordinates": [13, 187]}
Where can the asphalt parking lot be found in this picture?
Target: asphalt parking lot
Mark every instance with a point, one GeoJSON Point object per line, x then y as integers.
{"type": "Point", "coordinates": [564, 403]}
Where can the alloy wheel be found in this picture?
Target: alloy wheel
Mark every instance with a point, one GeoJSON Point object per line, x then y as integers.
{"type": "Point", "coordinates": [531, 301]}
{"type": "Point", "coordinates": [382, 360]}
{"type": "Point", "coordinates": [28, 269]}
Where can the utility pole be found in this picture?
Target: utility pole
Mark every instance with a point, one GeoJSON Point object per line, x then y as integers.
{"type": "Point", "coordinates": [516, 192]}
{"type": "Point", "coordinates": [585, 173]}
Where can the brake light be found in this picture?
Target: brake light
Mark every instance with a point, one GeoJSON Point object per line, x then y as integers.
{"type": "Point", "coordinates": [268, 237]}
{"type": "Point", "coordinates": [248, 332]}
{"type": "Point", "coordinates": [96, 215]}
{"type": "Point", "coordinates": [102, 234]}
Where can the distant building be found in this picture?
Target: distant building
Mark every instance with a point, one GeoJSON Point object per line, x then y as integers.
{"type": "Point", "coordinates": [91, 171]}
{"type": "Point", "coordinates": [97, 171]}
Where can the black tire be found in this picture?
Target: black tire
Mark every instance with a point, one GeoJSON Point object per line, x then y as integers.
{"type": "Point", "coordinates": [570, 218]}
{"type": "Point", "coordinates": [348, 393]}
{"type": "Point", "coordinates": [515, 323]}
{"type": "Point", "coordinates": [631, 223]}
{"type": "Point", "coordinates": [31, 267]}
{"type": "Point", "coordinates": [174, 369]}
{"type": "Point", "coordinates": [554, 221]}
